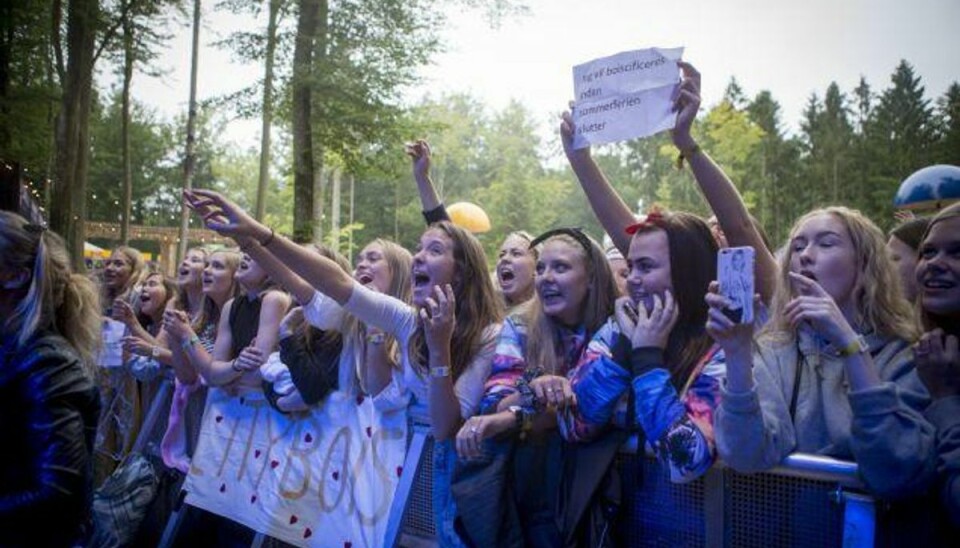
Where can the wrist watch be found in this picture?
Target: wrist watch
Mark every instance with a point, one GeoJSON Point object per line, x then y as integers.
{"type": "Point", "coordinates": [155, 352]}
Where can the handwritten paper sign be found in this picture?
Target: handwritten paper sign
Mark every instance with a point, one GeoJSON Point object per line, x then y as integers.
{"type": "Point", "coordinates": [324, 478]}
{"type": "Point", "coordinates": [625, 96]}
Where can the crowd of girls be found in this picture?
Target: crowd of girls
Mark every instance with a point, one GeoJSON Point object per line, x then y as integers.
{"type": "Point", "coordinates": [532, 376]}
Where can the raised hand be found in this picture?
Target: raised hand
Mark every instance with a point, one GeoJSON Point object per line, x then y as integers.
{"type": "Point", "coordinates": [938, 363]}
{"type": "Point", "coordinates": [439, 318]}
{"type": "Point", "coordinates": [223, 216]}
{"type": "Point", "coordinates": [816, 307]}
{"type": "Point", "coordinates": [567, 131]}
{"type": "Point", "coordinates": [648, 329]}
{"type": "Point", "coordinates": [686, 104]}
{"type": "Point", "coordinates": [419, 152]}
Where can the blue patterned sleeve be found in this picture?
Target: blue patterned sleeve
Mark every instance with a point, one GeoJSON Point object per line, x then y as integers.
{"type": "Point", "coordinates": [680, 427]}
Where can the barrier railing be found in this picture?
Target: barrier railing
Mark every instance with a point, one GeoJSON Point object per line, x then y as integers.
{"type": "Point", "coordinates": [807, 501]}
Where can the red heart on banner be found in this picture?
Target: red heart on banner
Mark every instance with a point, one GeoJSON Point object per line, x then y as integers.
{"type": "Point", "coordinates": [308, 438]}
{"type": "Point", "coordinates": [360, 398]}
{"type": "Point", "coordinates": [293, 519]}
{"type": "Point", "coordinates": [307, 533]}
{"type": "Point", "coordinates": [256, 453]}
{"type": "Point", "coordinates": [274, 464]}
{"type": "Point", "coordinates": [336, 475]}
{"type": "Point", "coordinates": [253, 499]}
{"type": "Point", "coordinates": [219, 418]}
{"type": "Point", "coordinates": [399, 471]}
{"type": "Point", "coordinates": [369, 432]}
{"type": "Point", "coordinates": [223, 487]}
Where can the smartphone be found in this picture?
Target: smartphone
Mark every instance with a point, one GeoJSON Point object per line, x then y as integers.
{"type": "Point", "coordinates": [735, 274]}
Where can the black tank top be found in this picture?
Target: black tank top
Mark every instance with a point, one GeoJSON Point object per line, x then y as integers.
{"type": "Point", "coordinates": [244, 322]}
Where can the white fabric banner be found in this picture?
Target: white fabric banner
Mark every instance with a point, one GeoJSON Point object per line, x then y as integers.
{"type": "Point", "coordinates": [323, 478]}
{"type": "Point", "coordinates": [625, 96]}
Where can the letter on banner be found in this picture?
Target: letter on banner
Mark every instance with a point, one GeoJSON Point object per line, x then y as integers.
{"type": "Point", "coordinates": [625, 96]}
{"type": "Point", "coordinates": [323, 478]}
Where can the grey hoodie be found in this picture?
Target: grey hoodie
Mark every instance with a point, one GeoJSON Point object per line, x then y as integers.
{"type": "Point", "coordinates": [881, 428]}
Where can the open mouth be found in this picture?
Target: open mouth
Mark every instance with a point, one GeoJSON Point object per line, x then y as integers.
{"type": "Point", "coordinates": [506, 275]}
{"type": "Point", "coordinates": [550, 294]}
{"type": "Point", "coordinates": [420, 279]}
{"type": "Point", "coordinates": [208, 280]}
{"type": "Point", "coordinates": [145, 298]}
{"type": "Point", "coordinates": [364, 278]}
{"type": "Point", "coordinates": [808, 274]}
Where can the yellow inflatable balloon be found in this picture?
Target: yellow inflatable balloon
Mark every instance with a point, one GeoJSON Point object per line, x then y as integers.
{"type": "Point", "coordinates": [469, 216]}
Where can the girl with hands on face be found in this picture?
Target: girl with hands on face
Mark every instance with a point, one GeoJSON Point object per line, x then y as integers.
{"type": "Point", "coordinates": [832, 372]}
{"type": "Point", "coordinates": [658, 349]}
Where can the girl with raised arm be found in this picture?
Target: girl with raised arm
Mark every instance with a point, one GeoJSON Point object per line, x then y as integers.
{"type": "Point", "coordinates": [832, 373]}
{"type": "Point", "coordinates": [446, 339]}
{"type": "Point", "coordinates": [515, 259]}
{"type": "Point", "coordinates": [721, 194]}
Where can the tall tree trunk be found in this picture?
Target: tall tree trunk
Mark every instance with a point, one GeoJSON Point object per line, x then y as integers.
{"type": "Point", "coordinates": [335, 210]}
{"type": "Point", "coordinates": [267, 110]}
{"type": "Point", "coordinates": [303, 160]}
{"type": "Point", "coordinates": [69, 203]}
{"type": "Point", "coordinates": [125, 129]}
{"type": "Point", "coordinates": [353, 183]}
{"type": "Point", "coordinates": [189, 160]}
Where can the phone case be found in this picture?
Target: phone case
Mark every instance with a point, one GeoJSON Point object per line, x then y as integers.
{"type": "Point", "coordinates": [735, 274]}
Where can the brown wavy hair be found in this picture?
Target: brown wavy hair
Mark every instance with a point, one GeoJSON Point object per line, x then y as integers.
{"type": "Point", "coordinates": [478, 305]}
{"type": "Point", "coordinates": [693, 265]}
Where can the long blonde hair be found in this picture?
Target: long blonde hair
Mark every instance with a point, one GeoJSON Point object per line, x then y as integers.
{"type": "Point", "coordinates": [138, 271]}
{"type": "Point", "coordinates": [544, 336]}
{"type": "Point", "coordinates": [56, 298]}
{"type": "Point", "coordinates": [881, 307]}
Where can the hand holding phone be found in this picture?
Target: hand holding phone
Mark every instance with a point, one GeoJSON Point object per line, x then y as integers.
{"type": "Point", "coordinates": [735, 273]}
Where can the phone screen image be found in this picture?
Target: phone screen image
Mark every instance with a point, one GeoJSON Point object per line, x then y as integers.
{"type": "Point", "coordinates": [735, 274]}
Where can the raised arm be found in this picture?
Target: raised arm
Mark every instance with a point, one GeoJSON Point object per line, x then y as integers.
{"type": "Point", "coordinates": [720, 192]}
{"type": "Point", "coordinates": [433, 210]}
{"type": "Point", "coordinates": [225, 217]}
{"type": "Point", "coordinates": [607, 205]}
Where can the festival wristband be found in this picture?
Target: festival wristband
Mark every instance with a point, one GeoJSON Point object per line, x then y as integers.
{"type": "Point", "coordinates": [440, 372]}
{"type": "Point", "coordinates": [188, 344]}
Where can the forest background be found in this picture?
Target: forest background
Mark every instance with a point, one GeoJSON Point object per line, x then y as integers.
{"type": "Point", "coordinates": [334, 100]}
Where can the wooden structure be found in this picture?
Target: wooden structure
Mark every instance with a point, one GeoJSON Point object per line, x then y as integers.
{"type": "Point", "coordinates": [166, 236]}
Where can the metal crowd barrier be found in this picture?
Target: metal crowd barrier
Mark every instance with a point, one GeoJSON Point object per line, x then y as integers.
{"type": "Point", "coordinates": [807, 501]}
